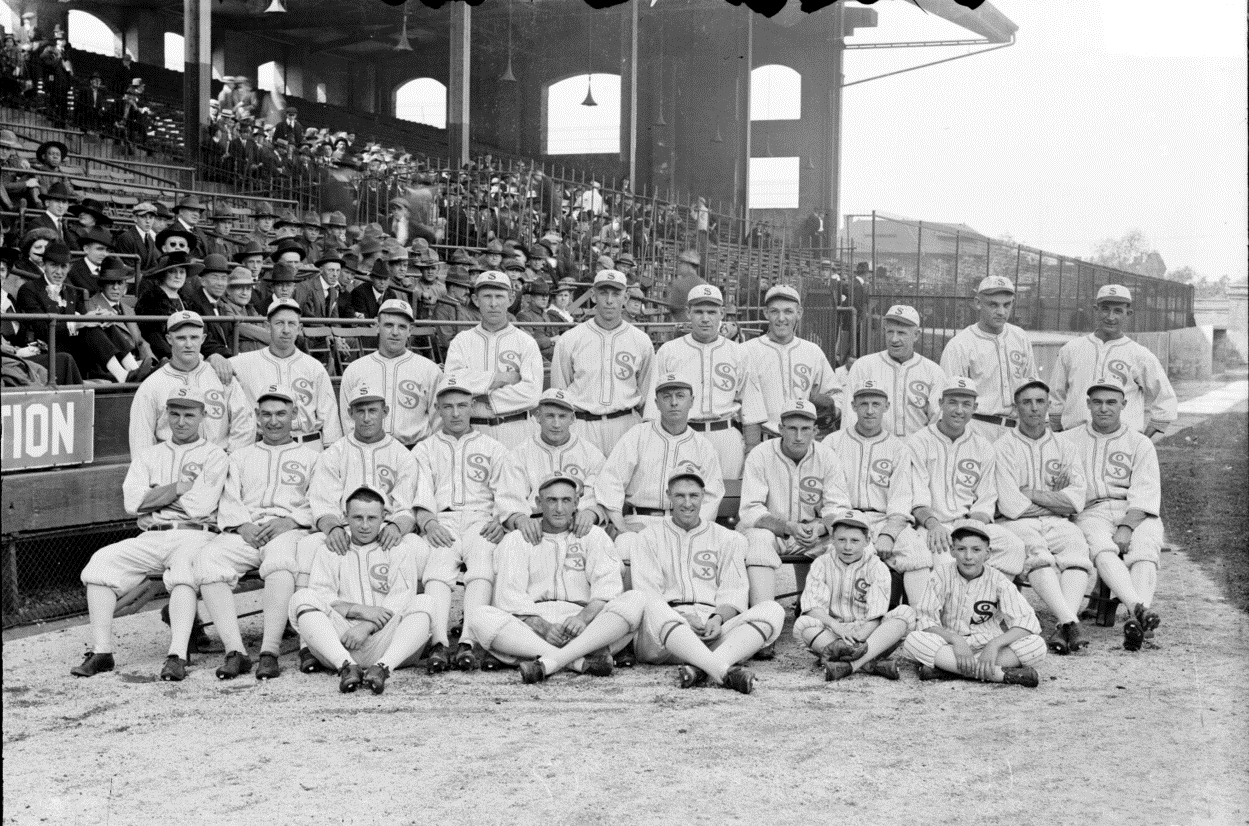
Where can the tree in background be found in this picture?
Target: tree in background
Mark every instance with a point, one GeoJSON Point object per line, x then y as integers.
{"type": "Point", "coordinates": [1131, 252]}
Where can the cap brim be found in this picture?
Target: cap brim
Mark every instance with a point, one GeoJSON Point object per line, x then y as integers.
{"type": "Point", "coordinates": [279, 396]}
{"type": "Point", "coordinates": [970, 529]}
{"type": "Point", "coordinates": [185, 403]}
{"type": "Point", "coordinates": [365, 400]}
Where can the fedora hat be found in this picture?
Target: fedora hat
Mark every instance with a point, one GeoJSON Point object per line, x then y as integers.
{"type": "Point", "coordinates": [284, 273]}
{"type": "Point", "coordinates": [216, 263]}
{"type": "Point", "coordinates": [252, 248]}
{"type": "Point", "coordinates": [8, 139]}
{"type": "Point", "coordinates": [43, 148]}
{"type": "Point", "coordinates": [174, 260]}
{"type": "Point", "coordinates": [175, 230]}
{"type": "Point", "coordinates": [189, 202]}
{"type": "Point", "coordinates": [288, 245]}
{"type": "Point", "coordinates": [114, 271]}
{"type": "Point", "coordinates": [97, 235]}
{"type": "Point", "coordinates": [60, 192]}
{"type": "Point", "coordinates": [93, 208]}
{"type": "Point", "coordinates": [264, 209]}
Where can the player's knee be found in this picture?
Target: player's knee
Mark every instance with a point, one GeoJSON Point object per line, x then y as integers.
{"type": "Point", "coordinates": [1030, 650]}
{"type": "Point", "coordinates": [922, 646]}
{"type": "Point", "coordinates": [768, 618]}
{"type": "Point", "coordinates": [805, 625]}
{"type": "Point", "coordinates": [906, 614]}
{"type": "Point", "coordinates": [486, 623]}
{"type": "Point", "coordinates": [304, 601]}
{"type": "Point", "coordinates": [629, 606]}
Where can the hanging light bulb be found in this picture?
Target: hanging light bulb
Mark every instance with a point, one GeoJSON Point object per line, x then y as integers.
{"type": "Point", "coordinates": [276, 7]}
{"type": "Point", "coordinates": [589, 94]}
{"type": "Point", "coordinates": [508, 76]}
{"type": "Point", "coordinates": [402, 45]}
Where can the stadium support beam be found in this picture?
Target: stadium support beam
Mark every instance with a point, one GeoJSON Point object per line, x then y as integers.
{"type": "Point", "coordinates": [197, 73]}
{"type": "Point", "coordinates": [741, 171]}
{"type": "Point", "coordinates": [832, 132]}
{"type": "Point", "coordinates": [458, 92]}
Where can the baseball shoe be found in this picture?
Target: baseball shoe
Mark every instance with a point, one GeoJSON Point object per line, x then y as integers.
{"type": "Point", "coordinates": [928, 672]}
{"type": "Point", "coordinates": [689, 676]}
{"type": "Point", "coordinates": [375, 678]}
{"type": "Point", "coordinates": [1075, 640]}
{"type": "Point", "coordinates": [741, 680]}
{"type": "Point", "coordinates": [308, 662]}
{"type": "Point", "coordinates": [837, 670]}
{"type": "Point", "coordinates": [599, 664]}
{"type": "Point", "coordinates": [842, 651]}
{"type": "Point", "coordinates": [490, 662]}
{"type": "Point", "coordinates": [465, 658]}
{"type": "Point", "coordinates": [1057, 641]}
{"type": "Point", "coordinates": [1148, 619]}
{"type": "Point", "coordinates": [768, 652]}
{"type": "Point", "coordinates": [350, 676]}
{"type": "Point", "coordinates": [1133, 634]}
{"type": "Point", "coordinates": [174, 670]}
{"type": "Point", "coordinates": [625, 658]}
{"type": "Point", "coordinates": [200, 642]}
{"type": "Point", "coordinates": [268, 668]}
{"type": "Point", "coordinates": [887, 668]}
{"type": "Point", "coordinates": [532, 671]}
{"type": "Point", "coordinates": [437, 661]}
{"type": "Point", "coordinates": [1025, 676]}
{"type": "Point", "coordinates": [236, 663]}
{"type": "Point", "coordinates": [93, 664]}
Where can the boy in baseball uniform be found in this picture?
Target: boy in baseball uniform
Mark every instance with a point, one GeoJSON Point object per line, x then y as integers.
{"type": "Point", "coordinates": [173, 487]}
{"type": "Point", "coordinates": [846, 620]}
{"type": "Point", "coordinates": [558, 603]}
{"type": "Point", "coordinates": [1040, 485]}
{"type": "Point", "coordinates": [1120, 516]}
{"type": "Point", "coordinates": [959, 630]}
{"type": "Point", "coordinates": [912, 383]}
{"type": "Point", "coordinates": [362, 609]}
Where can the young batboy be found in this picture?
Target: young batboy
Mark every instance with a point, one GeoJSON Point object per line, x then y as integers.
{"type": "Point", "coordinates": [847, 622]}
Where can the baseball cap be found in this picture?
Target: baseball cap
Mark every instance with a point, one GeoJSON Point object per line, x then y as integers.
{"type": "Point", "coordinates": [186, 396]}
{"type": "Point", "coordinates": [362, 393]}
{"type": "Point", "coordinates": [960, 385]}
{"type": "Point", "coordinates": [903, 314]}
{"type": "Point", "coordinates": [611, 278]}
{"type": "Point", "coordinates": [972, 529]}
{"type": "Point", "coordinates": [869, 387]}
{"type": "Point", "coordinates": [557, 397]}
{"type": "Point", "coordinates": [283, 304]}
{"type": "Point", "coordinates": [492, 279]}
{"type": "Point", "coordinates": [687, 474]}
{"type": "Point", "coordinates": [798, 407]}
{"type": "Point", "coordinates": [995, 284]}
{"type": "Point", "coordinates": [672, 380]}
{"type": "Point", "coordinates": [1035, 381]}
{"type": "Point", "coordinates": [1106, 383]}
{"type": "Point", "coordinates": [705, 294]}
{"type": "Point", "coordinates": [1114, 292]}
{"type": "Point", "coordinates": [281, 392]}
{"type": "Point", "coordinates": [397, 306]}
{"type": "Point", "coordinates": [782, 291]}
{"type": "Point", "coordinates": [181, 319]}
{"type": "Point", "coordinates": [450, 384]}
{"type": "Point", "coordinates": [559, 477]}
{"type": "Point", "coordinates": [850, 521]}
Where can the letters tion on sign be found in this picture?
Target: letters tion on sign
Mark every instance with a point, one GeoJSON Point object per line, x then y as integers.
{"type": "Point", "coordinates": [46, 428]}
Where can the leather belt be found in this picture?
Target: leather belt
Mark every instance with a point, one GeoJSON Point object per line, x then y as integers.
{"type": "Point", "coordinates": [309, 437]}
{"type": "Point", "coordinates": [709, 427]}
{"type": "Point", "coordinates": [675, 604]}
{"type": "Point", "coordinates": [495, 421]}
{"type": "Point", "coordinates": [185, 527]}
{"type": "Point", "coordinates": [598, 417]}
{"type": "Point", "coordinates": [630, 510]}
{"type": "Point", "coordinates": [1005, 421]}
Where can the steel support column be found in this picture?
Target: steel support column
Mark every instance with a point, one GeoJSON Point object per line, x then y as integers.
{"type": "Point", "coordinates": [458, 92]}
{"type": "Point", "coordinates": [197, 73]}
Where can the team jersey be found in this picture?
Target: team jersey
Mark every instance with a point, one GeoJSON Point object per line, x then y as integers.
{"type": "Point", "coordinates": [774, 484]}
{"type": "Point", "coordinates": [914, 390]}
{"type": "Point", "coordinates": [386, 466]}
{"type": "Point", "coordinates": [646, 456]}
{"type": "Point", "coordinates": [560, 568]}
{"type": "Point", "coordinates": [462, 473]}
{"type": "Point", "coordinates": [997, 364]}
{"type": "Point", "coordinates": [976, 606]}
{"type": "Point", "coordinates": [407, 382]}
{"type": "Point", "coordinates": [201, 463]}
{"type": "Point", "coordinates": [849, 593]}
{"type": "Point", "coordinates": [1118, 466]}
{"type": "Point", "coordinates": [797, 370]}
{"type": "Point", "coordinates": [366, 575]}
{"type": "Point", "coordinates": [1150, 397]}
{"type": "Point", "coordinates": [1023, 462]}
{"type": "Point", "coordinates": [603, 370]}
{"type": "Point", "coordinates": [229, 421]}
{"type": "Point", "coordinates": [268, 482]}
{"type": "Point", "coordinates": [700, 569]}
{"type": "Point", "coordinates": [953, 478]}
{"type": "Point", "coordinates": [876, 470]}
{"type": "Point", "coordinates": [316, 411]}
{"type": "Point", "coordinates": [723, 386]}
{"type": "Point", "coordinates": [474, 357]}
{"type": "Point", "coordinates": [531, 462]}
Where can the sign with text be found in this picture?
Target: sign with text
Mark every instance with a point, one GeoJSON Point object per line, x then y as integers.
{"type": "Point", "coordinates": [46, 428]}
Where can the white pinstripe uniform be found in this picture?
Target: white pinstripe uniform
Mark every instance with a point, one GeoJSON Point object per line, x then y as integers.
{"type": "Point", "coordinates": [406, 382]}
{"type": "Point", "coordinates": [724, 390]}
{"type": "Point", "coordinates": [316, 411]}
{"type": "Point", "coordinates": [229, 420]}
{"type": "Point", "coordinates": [1050, 541]}
{"type": "Point", "coordinates": [686, 576]}
{"type": "Point", "coordinates": [473, 358]}
{"type": "Point", "coordinates": [975, 610]}
{"type": "Point", "coordinates": [797, 370]}
{"type": "Point", "coordinates": [463, 475]}
{"type": "Point", "coordinates": [1121, 470]}
{"type": "Point", "coordinates": [264, 482]}
{"type": "Point", "coordinates": [856, 594]}
{"type": "Point", "coordinates": [533, 461]}
{"type": "Point", "coordinates": [913, 388]}
{"type": "Point", "coordinates": [124, 565]}
{"type": "Point", "coordinates": [877, 473]}
{"type": "Point", "coordinates": [998, 364]}
{"type": "Point", "coordinates": [637, 472]}
{"type": "Point", "coordinates": [554, 580]}
{"type": "Point", "coordinates": [955, 479]}
{"type": "Point", "coordinates": [605, 372]}
{"type": "Point", "coordinates": [802, 491]}
{"type": "Point", "coordinates": [1150, 399]}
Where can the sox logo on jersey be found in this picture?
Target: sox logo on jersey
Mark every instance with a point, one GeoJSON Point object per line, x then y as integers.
{"type": "Point", "coordinates": [968, 475]}
{"type": "Point", "coordinates": [303, 389]}
{"type": "Point", "coordinates": [386, 478]}
{"type": "Point", "coordinates": [1119, 369]}
{"type": "Point", "coordinates": [1053, 469]}
{"type": "Point", "coordinates": [214, 404]}
{"type": "Point", "coordinates": [409, 394]}
{"type": "Point", "coordinates": [984, 610]}
{"type": "Point", "coordinates": [293, 474]}
{"type": "Point", "coordinates": [801, 379]}
{"type": "Point", "coordinates": [725, 378]}
{"type": "Point", "coordinates": [918, 395]}
{"type": "Point", "coordinates": [1118, 466]}
{"type": "Point", "coordinates": [626, 366]}
{"type": "Point", "coordinates": [191, 471]}
{"type": "Point", "coordinates": [477, 467]}
{"type": "Point", "coordinates": [705, 564]}
{"type": "Point", "coordinates": [575, 559]}
{"type": "Point", "coordinates": [379, 576]}
{"type": "Point", "coordinates": [860, 590]}
{"type": "Point", "coordinates": [811, 490]}
{"type": "Point", "coordinates": [880, 473]}
{"type": "Point", "coordinates": [1019, 361]}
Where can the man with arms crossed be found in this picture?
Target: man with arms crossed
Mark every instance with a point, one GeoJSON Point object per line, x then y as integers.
{"type": "Point", "coordinates": [911, 382]}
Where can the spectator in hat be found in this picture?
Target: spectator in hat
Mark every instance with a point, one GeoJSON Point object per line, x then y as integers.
{"type": "Point", "coordinates": [48, 158]}
{"type": "Point", "coordinates": [85, 272]}
{"type": "Point", "coordinates": [561, 308]}
{"type": "Point", "coordinates": [220, 242]}
{"type": "Point", "coordinates": [18, 180]}
{"type": "Point", "coordinates": [290, 251]}
{"type": "Point", "coordinates": [90, 215]}
{"type": "Point", "coordinates": [163, 218]}
{"type": "Point", "coordinates": [367, 298]}
{"type": "Point", "coordinates": [405, 230]}
{"type": "Point", "coordinates": [335, 226]}
{"type": "Point", "coordinates": [92, 106]}
{"type": "Point", "coordinates": [206, 299]}
{"type": "Point", "coordinates": [283, 280]}
{"type": "Point", "coordinates": [240, 301]}
{"type": "Point", "coordinates": [319, 296]}
{"type": "Point", "coordinates": [455, 305]}
{"type": "Point", "coordinates": [52, 294]}
{"type": "Point", "coordinates": [132, 117]}
{"type": "Point", "coordinates": [537, 297]}
{"type": "Point", "coordinates": [288, 226]}
{"type": "Point", "coordinates": [34, 244]}
{"type": "Point", "coordinates": [123, 337]}
{"type": "Point", "coordinates": [264, 216]}
{"type": "Point", "coordinates": [187, 214]}
{"type": "Point", "coordinates": [140, 239]}
{"type": "Point", "coordinates": [164, 298]}
{"type": "Point", "coordinates": [56, 199]}
{"type": "Point", "coordinates": [428, 289]}
{"type": "Point", "coordinates": [686, 280]}
{"type": "Point", "coordinates": [311, 234]}
{"type": "Point", "coordinates": [290, 129]}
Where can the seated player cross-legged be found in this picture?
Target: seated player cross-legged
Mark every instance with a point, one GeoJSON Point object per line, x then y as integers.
{"type": "Point", "coordinates": [693, 573]}
{"type": "Point", "coordinates": [560, 603]}
{"type": "Point", "coordinates": [361, 610]}
{"type": "Point", "coordinates": [959, 628]}
{"type": "Point", "coordinates": [846, 619]}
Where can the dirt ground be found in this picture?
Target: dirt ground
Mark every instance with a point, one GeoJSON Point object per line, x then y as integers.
{"type": "Point", "coordinates": [1157, 737]}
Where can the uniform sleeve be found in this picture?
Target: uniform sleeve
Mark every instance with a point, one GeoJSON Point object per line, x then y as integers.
{"type": "Point", "coordinates": [836, 490]}
{"type": "Point", "coordinates": [331, 428]}
{"type": "Point", "coordinates": [733, 587]}
{"type": "Point", "coordinates": [403, 497]}
{"type": "Point", "coordinates": [323, 578]}
{"type": "Point", "coordinates": [603, 567]}
{"type": "Point", "coordinates": [933, 600]}
{"type": "Point", "coordinates": [934, 394]}
{"type": "Point", "coordinates": [205, 494]}
{"type": "Point", "coordinates": [901, 498]}
{"type": "Point", "coordinates": [1058, 381]}
{"type": "Point", "coordinates": [1161, 405]}
{"type": "Point", "coordinates": [512, 493]}
{"type": "Point", "coordinates": [425, 494]}
{"type": "Point", "coordinates": [917, 475]}
{"type": "Point", "coordinates": [593, 467]}
{"type": "Point", "coordinates": [524, 394]}
{"type": "Point", "coordinates": [754, 410]}
{"type": "Point", "coordinates": [714, 477]}
{"type": "Point", "coordinates": [561, 361]}
{"type": "Point", "coordinates": [878, 592]}
{"type": "Point", "coordinates": [1145, 492]}
{"type": "Point", "coordinates": [1010, 501]}
{"type": "Point", "coordinates": [986, 490]}
{"type": "Point", "coordinates": [754, 496]}
{"type": "Point", "coordinates": [242, 419]}
{"type": "Point", "coordinates": [325, 490]}
{"type": "Point", "coordinates": [826, 381]}
{"type": "Point", "coordinates": [816, 593]}
{"type": "Point", "coordinates": [647, 573]}
{"type": "Point", "coordinates": [232, 513]}
{"type": "Point", "coordinates": [646, 364]}
{"type": "Point", "coordinates": [511, 582]}
{"type": "Point", "coordinates": [1077, 489]}
{"type": "Point", "coordinates": [457, 365]}
{"type": "Point", "coordinates": [144, 414]}
{"type": "Point", "coordinates": [1015, 608]}
{"type": "Point", "coordinates": [609, 488]}
{"type": "Point", "coordinates": [954, 358]}
{"type": "Point", "coordinates": [137, 483]}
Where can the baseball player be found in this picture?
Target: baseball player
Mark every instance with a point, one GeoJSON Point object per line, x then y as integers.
{"type": "Point", "coordinates": [362, 609]}
{"type": "Point", "coordinates": [604, 364]}
{"type": "Point", "coordinates": [499, 363]}
{"type": "Point", "coordinates": [876, 467]}
{"type": "Point", "coordinates": [1040, 484]}
{"type": "Point", "coordinates": [959, 627]}
{"type": "Point", "coordinates": [229, 422]}
{"type": "Point", "coordinates": [994, 354]}
{"type": "Point", "coordinates": [1107, 351]}
{"type": "Point", "coordinates": [316, 411]}
{"type": "Point", "coordinates": [728, 403]}
{"type": "Point", "coordinates": [846, 620]}
{"type": "Point", "coordinates": [406, 380]}
{"type": "Point", "coordinates": [558, 603]}
{"type": "Point", "coordinates": [787, 367]}
{"type": "Point", "coordinates": [461, 466]}
{"type": "Point", "coordinates": [952, 473]}
{"type": "Point", "coordinates": [1120, 516]}
{"type": "Point", "coordinates": [264, 512]}
{"type": "Point", "coordinates": [693, 573]}
{"type": "Point", "coordinates": [909, 379]}
{"type": "Point", "coordinates": [553, 451]}
{"type": "Point", "coordinates": [173, 487]}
